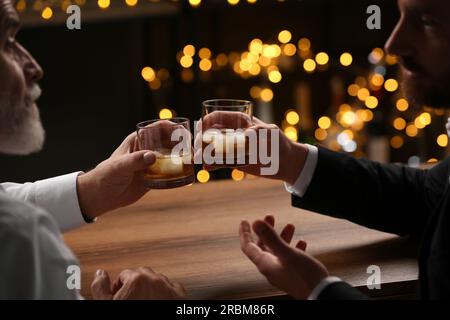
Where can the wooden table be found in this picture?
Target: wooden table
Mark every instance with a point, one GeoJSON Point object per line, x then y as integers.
{"type": "Point", "coordinates": [190, 235]}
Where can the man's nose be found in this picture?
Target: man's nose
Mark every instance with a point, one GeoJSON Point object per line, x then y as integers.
{"type": "Point", "coordinates": [32, 70]}
{"type": "Point", "coordinates": [401, 42]}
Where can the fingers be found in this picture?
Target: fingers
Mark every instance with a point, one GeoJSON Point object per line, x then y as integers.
{"type": "Point", "coordinates": [135, 145]}
{"type": "Point", "coordinates": [226, 119]}
{"type": "Point", "coordinates": [137, 161]}
{"type": "Point", "coordinates": [271, 239]}
{"type": "Point", "coordinates": [179, 289]}
{"type": "Point", "coordinates": [301, 245]}
{"type": "Point", "coordinates": [144, 284]}
{"type": "Point", "coordinates": [248, 246]}
{"type": "Point", "coordinates": [101, 286]}
{"type": "Point", "coordinates": [288, 233]}
{"type": "Point", "coordinates": [257, 121]}
{"type": "Point", "coordinates": [271, 221]}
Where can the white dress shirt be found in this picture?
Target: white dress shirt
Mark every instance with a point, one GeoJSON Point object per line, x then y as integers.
{"type": "Point", "coordinates": [34, 259]}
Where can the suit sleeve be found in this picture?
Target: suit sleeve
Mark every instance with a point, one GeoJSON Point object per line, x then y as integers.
{"type": "Point", "coordinates": [341, 291]}
{"type": "Point", "coordinates": [390, 198]}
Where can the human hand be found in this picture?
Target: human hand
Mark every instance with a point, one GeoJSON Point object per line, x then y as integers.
{"type": "Point", "coordinates": [291, 155]}
{"type": "Point", "coordinates": [140, 284]}
{"type": "Point", "coordinates": [287, 268]}
{"type": "Point", "coordinates": [117, 181]}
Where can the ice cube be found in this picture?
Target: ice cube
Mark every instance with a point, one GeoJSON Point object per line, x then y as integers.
{"type": "Point", "coordinates": [168, 165]}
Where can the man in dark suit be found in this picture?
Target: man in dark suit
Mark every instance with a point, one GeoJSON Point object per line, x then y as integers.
{"type": "Point", "coordinates": [391, 198]}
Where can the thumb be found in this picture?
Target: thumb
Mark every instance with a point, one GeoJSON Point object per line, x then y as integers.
{"type": "Point", "coordinates": [101, 286]}
{"type": "Point", "coordinates": [137, 161]}
{"type": "Point", "coordinates": [271, 239]}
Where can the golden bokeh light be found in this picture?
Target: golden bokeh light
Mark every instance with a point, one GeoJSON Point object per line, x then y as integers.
{"type": "Point", "coordinates": [322, 58]}
{"type": "Point", "coordinates": [442, 140]}
{"type": "Point", "coordinates": [21, 5]}
{"type": "Point", "coordinates": [266, 94]}
{"type": "Point", "coordinates": [255, 92]}
{"type": "Point", "coordinates": [304, 44]}
{"type": "Point", "coordinates": [275, 76]}
{"type": "Point", "coordinates": [131, 3]}
{"type": "Point", "coordinates": [292, 117]}
{"type": "Point", "coordinates": [284, 36]}
{"type": "Point", "coordinates": [425, 118]}
{"type": "Point", "coordinates": [204, 53]}
{"type": "Point", "coordinates": [155, 84]}
{"type": "Point", "coordinates": [397, 142]}
{"type": "Point", "coordinates": [346, 59]}
{"type": "Point", "coordinates": [411, 130]}
{"type": "Point", "coordinates": [289, 49]}
{"type": "Point", "coordinates": [371, 102]}
{"type": "Point", "coordinates": [255, 69]}
{"type": "Point", "coordinates": [348, 118]}
{"type": "Point", "coordinates": [309, 65]}
{"type": "Point", "coordinates": [186, 61]}
{"type": "Point", "coordinates": [324, 122]}
{"type": "Point", "coordinates": [256, 46]}
{"type": "Point", "coordinates": [320, 134]}
{"type": "Point", "coordinates": [377, 80]}
{"type": "Point", "coordinates": [47, 13]}
{"type": "Point", "coordinates": [203, 176]}
{"type": "Point", "coordinates": [399, 123]}
{"type": "Point", "coordinates": [195, 3]}
{"type": "Point", "coordinates": [165, 114]}
{"type": "Point", "coordinates": [189, 50]}
{"type": "Point", "coordinates": [352, 90]}
{"type": "Point", "coordinates": [376, 55]}
{"type": "Point", "coordinates": [363, 94]}
{"type": "Point", "coordinates": [391, 59]}
{"type": "Point", "coordinates": [237, 175]}
{"type": "Point", "coordinates": [205, 65]}
{"type": "Point", "coordinates": [418, 123]}
{"type": "Point", "coordinates": [222, 60]}
{"type": "Point", "coordinates": [103, 4]}
{"type": "Point", "coordinates": [366, 115]}
{"type": "Point", "coordinates": [391, 85]}
{"type": "Point", "coordinates": [402, 104]}
{"type": "Point", "coordinates": [148, 74]}
{"type": "Point", "coordinates": [291, 133]}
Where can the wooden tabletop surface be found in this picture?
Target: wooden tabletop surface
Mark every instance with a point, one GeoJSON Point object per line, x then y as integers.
{"type": "Point", "coordinates": [190, 234]}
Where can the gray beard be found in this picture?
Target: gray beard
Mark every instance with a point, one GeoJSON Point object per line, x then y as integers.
{"type": "Point", "coordinates": [21, 130]}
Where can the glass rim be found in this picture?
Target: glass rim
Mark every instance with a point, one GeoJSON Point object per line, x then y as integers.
{"type": "Point", "coordinates": [241, 103]}
{"type": "Point", "coordinates": [143, 125]}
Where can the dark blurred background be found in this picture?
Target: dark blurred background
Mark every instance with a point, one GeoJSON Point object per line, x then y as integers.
{"type": "Point", "coordinates": [94, 91]}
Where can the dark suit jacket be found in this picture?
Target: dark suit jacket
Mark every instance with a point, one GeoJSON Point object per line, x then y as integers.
{"type": "Point", "coordinates": [390, 198]}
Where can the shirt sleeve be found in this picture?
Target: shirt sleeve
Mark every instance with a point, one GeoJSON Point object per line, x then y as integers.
{"type": "Point", "coordinates": [304, 179]}
{"type": "Point", "coordinates": [57, 195]}
{"type": "Point", "coordinates": [321, 286]}
{"type": "Point", "coordinates": [35, 262]}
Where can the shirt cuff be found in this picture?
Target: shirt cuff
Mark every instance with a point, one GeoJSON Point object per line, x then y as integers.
{"type": "Point", "coordinates": [304, 179]}
{"type": "Point", "coordinates": [321, 286]}
{"type": "Point", "coordinates": [59, 197]}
